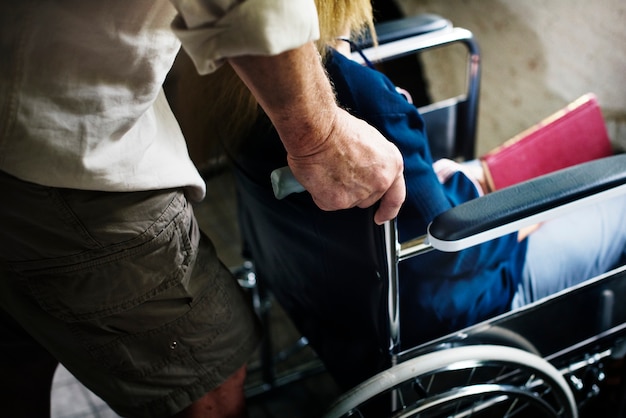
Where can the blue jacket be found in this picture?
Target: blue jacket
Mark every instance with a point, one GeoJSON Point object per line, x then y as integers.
{"type": "Point", "coordinates": [449, 291]}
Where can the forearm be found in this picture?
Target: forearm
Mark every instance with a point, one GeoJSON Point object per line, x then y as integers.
{"type": "Point", "coordinates": [302, 110]}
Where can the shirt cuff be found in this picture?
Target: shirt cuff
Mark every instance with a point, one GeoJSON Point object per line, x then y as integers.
{"type": "Point", "coordinates": [251, 27]}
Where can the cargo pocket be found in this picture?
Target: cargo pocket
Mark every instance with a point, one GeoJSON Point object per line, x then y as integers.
{"type": "Point", "coordinates": [132, 307]}
{"type": "Point", "coordinates": [142, 353]}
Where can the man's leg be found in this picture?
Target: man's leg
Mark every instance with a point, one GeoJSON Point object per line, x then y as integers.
{"type": "Point", "coordinates": [127, 293]}
{"type": "Point", "coordinates": [28, 371]}
{"type": "Point", "coordinates": [227, 401]}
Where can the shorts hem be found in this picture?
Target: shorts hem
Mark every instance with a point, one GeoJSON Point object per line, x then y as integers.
{"type": "Point", "coordinates": [183, 397]}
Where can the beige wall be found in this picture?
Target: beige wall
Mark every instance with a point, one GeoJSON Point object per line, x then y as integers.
{"type": "Point", "coordinates": [538, 55]}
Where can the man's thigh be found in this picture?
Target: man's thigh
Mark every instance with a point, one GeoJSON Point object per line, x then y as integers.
{"type": "Point", "coordinates": [125, 291]}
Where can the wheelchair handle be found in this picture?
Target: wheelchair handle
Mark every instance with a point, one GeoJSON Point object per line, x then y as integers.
{"type": "Point", "coordinates": [284, 183]}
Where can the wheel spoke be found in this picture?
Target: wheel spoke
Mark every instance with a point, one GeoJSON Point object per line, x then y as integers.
{"type": "Point", "coordinates": [512, 384]}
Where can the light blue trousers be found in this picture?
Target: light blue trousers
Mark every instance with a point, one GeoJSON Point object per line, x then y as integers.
{"type": "Point", "coordinates": [573, 248]}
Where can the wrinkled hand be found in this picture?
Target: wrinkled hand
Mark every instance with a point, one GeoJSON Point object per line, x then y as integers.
{"type": "Point", "coordinates": [342, 161]}
{"type": "Point", "coordinates": [353, 166]}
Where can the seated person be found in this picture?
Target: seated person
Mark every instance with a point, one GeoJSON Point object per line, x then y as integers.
{"type": "Point", "coordinates": [320, 265]}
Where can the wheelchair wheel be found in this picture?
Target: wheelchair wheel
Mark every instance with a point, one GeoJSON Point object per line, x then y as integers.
{"type": "Point", "coordinates": [470, 381]}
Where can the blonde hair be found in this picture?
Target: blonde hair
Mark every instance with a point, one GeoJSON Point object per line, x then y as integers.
{"type": "Point", "coordinates": [339, 18]}
{"type": "Point", "coordinates": [225, 110]}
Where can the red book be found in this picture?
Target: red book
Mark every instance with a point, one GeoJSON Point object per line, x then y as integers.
{"type": "Point", "coordinates": [573, 135]}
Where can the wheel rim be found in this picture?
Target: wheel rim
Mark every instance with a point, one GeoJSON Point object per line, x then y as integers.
{"type": "Point", "coordinates": [418, 387]}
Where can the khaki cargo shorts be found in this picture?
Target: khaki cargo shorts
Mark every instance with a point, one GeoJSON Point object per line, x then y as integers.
{"type": "Point", "coordinates": [125, 291]}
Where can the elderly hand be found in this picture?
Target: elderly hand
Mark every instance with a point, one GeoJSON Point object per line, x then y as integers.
{"type": "Point", "coordinates": [341, 160]}
{"type": "Point", "coordinates": [353, 166]}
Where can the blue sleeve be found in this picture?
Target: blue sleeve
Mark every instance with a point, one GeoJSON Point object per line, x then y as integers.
{"type": "Point", "coordinates": [371, 96]}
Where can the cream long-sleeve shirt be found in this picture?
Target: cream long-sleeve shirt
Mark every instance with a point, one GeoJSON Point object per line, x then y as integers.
{"type": "Point", "coordinates": [81, 103]}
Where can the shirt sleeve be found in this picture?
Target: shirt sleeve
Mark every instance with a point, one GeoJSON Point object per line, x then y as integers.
{"type": "Point", "coordinates": [213, 30]}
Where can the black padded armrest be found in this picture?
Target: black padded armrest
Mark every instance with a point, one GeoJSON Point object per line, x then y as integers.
{"type": "Point", "coordinates": [537, 200]}
{"type": "Point", "coordinates": [393, 30]}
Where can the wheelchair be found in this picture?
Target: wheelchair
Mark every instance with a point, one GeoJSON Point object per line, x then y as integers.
{"type": "Point", "coordinates": [528, 362]}
{"type": "Point", "coordinates": [506, 366]}
{"type": "Point", "coordinates": [451, 127]}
